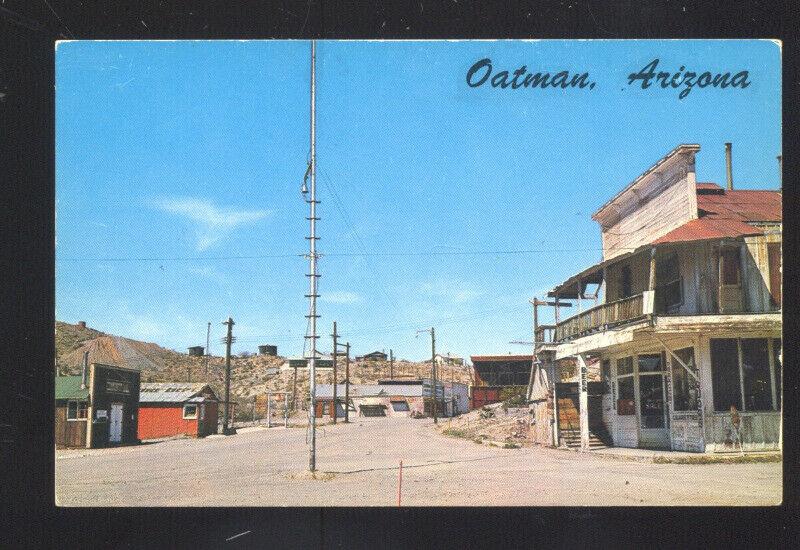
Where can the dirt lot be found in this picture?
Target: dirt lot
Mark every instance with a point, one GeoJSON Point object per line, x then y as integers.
{"type": "Point", "coordinates": [358, 466]}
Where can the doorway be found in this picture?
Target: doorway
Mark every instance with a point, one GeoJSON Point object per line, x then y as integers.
{"type": "Point", "coordinates": [651, 404]}
{"type": "Point", "coordinates": [115, 423]}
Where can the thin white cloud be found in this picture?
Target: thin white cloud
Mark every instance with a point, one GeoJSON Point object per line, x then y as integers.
{"type": "Point", "coordinates": [213, 223]}
{"type": "Point", "coordinates": [340, 297]}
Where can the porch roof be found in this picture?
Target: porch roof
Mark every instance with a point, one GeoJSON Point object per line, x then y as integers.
{"type": "Point", "coordinates": [574, 287]}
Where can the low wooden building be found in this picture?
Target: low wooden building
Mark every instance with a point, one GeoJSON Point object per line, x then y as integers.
{"type": "Point", "coordinates": [100, 413]}
{"type": "Point", "coordinates": [498, 377]}
{"type": "Point", "coordinates": [175, 408]}
{"type": "Point", "coordinates": [72, 406]}
{"type": "Point", "coordinates": [373, 356]}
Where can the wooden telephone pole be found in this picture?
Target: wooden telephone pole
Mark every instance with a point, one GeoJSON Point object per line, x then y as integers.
{"type": "Point", "coordinates": [228, 341]}
{"type": "Point", "coordinates": [432, 332]}
{"type": "Point", "coordinates": [335, 353]}
{"type": "Point", "coordinates": [391, 364]}
{"type": "Point", "coordinates": [347, 384]}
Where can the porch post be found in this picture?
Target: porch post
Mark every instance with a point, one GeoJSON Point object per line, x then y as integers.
{"type": "Point", "coordinates": [583, 402]}
{"type": "Point", "coordinates": [556, 377]}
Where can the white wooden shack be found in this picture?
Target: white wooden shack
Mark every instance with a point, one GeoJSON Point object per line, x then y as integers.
{"type": "Point", "coordinates": [688, 329]}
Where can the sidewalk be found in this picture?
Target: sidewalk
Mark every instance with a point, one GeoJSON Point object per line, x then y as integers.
{"type": "Point", "coordinates": [677, 457]}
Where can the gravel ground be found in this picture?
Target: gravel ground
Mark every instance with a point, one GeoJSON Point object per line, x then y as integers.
{"type": "Point", "coordinates": [358, 466]}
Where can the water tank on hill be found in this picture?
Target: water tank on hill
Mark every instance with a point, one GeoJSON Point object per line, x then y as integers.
{"type": "Point", "coordinates": [196, 351]}
{"type": "Point", "coordinates": [267, 349]}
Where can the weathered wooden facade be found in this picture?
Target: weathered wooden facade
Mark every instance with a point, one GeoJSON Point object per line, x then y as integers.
{"type": "Point", "coordinates": [100, 413]}
{"type": "Point", "coordinates": [688, 334]}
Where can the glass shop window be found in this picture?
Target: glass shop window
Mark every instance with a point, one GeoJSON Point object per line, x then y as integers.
{"type": "Point", "coordinates": [606, 373]}
{"type": "Point", "coordinates": [189, 412]}
{"type": "Point", "coordinates": [684, 387]}
{"type": "Point", "coordinates": [725, 374]}
{"type": "Point", "coordinates": [624, 366]}
{"type": "Point", "coordinates": [400, 406]}
{"type": "Point", "coordinates": [731, 266]}
{"type": "Point", "coordinates": [626, 404]}
{"type": "Point", "coordinates": [776, 353]}
{"type": "Point", "coordinates": [76, 410]}
{"type": "Point", "coordinates": [757, 380]}
{"type": "Point", "coordinates": [650, 363]}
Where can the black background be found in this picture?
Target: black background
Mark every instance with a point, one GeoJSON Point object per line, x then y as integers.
{"type": "Point", "coordinates": [28, 29]}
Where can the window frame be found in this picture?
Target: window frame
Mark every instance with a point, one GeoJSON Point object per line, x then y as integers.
{"type": "Point", "coordinates": [723, 265]}
{"type": "Point", "coordinates": [662, 285]}
{"type": "Point", "coordinates": [774, 372]}
{"type": "Point", "coordinates": [619, 377]}
{"type": "Point", "coordinates": [80, 405]}
{"type": "Point", "coordinates": [186, 406]}
{"type": "Point", "coordinates": [675, 366]}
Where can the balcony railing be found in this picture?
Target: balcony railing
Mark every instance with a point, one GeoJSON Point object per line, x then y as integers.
{"type": "Point", "coordinates": [545, 334]}
{"type": "Point", "coordinates": [601, 317]}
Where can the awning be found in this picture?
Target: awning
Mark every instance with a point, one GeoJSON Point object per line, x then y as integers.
{"type": "Point", "coordinates": [574, 287]}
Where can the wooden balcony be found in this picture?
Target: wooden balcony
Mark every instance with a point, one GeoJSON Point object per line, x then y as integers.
{"type": "Point", "coordinates": [601, 317]}
{"type": "Point", "coordinates": [545, 334]}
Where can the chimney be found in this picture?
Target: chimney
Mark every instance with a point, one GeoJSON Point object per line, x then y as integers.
{"type": "Point", "coordinates": [84, 369]}
{"type": "Point", "coordinates": [82, 324]}
{"type": "Point", "coordinates": [780, 169]}
{"type": "Point", "coordinates": [728, 166]}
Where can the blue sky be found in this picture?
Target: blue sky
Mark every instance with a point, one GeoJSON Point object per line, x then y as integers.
{"type": "Point", "coordinates": [193, 152]}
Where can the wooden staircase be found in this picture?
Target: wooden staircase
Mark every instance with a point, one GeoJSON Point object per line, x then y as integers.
{"type": "Point", "coordinates": [599, 438]}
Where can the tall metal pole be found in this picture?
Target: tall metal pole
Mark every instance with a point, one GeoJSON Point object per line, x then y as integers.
{"type": "Point", "coordinates": [312, 362]}
{"type": "Point", "coordinates": [208, 347]}
{"type": "Point", "coordinates": [228, 341]}
{"type": "Point", "coordinates": [335, 353]}
{"type": "Point", "coordinates": [433, 365]}
{"type": "Point", "coordinates": [347, 384]}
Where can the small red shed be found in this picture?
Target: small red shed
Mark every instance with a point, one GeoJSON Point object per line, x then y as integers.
{"type": "Point", "coordinates": [177, 408]}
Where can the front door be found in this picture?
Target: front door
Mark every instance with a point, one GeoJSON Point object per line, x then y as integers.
{"type": "Point", "coordinates": [652, 407]}
{"type": "Point", "coordinates": [115, 423]}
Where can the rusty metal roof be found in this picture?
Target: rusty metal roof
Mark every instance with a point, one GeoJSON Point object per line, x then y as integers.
{"type": "Point", "coordinates": [371, 390]}
{"type": "Point", "coordinates": [171, 392]}
{"type": "Point", "coordinates": [725, 214]}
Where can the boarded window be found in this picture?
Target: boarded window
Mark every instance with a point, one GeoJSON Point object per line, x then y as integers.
{"type": "Point", "coordinates": [684, 389]}
{"type": "Point", "coordinates": [757, 382]}
{"type": "Point", "coordinates": [400, 406]}
{"type": "Point", "coordinates": [627, 286]}
{"type": "Point", "coordinates": [725, 374]}
{"type": "Point", "coordinates": [189, 411]}
{"type": "Point", "coordinates": [669, 287]}
{"type": "Point", "coordinates": [731, 266]}
{"type": "Point", "coordinates": [625, 403]}
{"type": "Point", "coordinates": [774, 257]}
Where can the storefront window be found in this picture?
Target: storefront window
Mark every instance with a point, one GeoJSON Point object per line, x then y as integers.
{"type": "Point", "coordinates": [755, 367]}
{"type": "Point", "coordinates": [624, 366]}
{"type": "Point", "coordinates": [625, 402]}
{"type": "Point", "coordinates": [606, 372]}
{"type": "Point", "coordinates": [649, 363]}
{"type": "Point", "coordinates": [683, 385]}
{"type": "Point", "coordinates": [76, 410]}
{"type": "Point", "coordinates": [725, 374]}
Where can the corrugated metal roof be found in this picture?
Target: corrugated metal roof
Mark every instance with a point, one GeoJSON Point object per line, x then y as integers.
{"type": "Point", "coordinates": [170, 392]}
{"type": "Point", "coordinates": [725, 215]}
{"type": "Point", "coordinates": [69, 387]}
{"type": "Point", "coordinates": [371, 390]}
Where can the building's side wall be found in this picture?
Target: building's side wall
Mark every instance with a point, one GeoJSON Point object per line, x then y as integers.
{"type": "Point", "coordinates": [756, 272]}
{"type": "Point", "coordinates": [68, 433]}
{"type": "Point", "coordinates": [639, 266]}
{"type": "Point", "coordinates": [164, 421]}
{"type": "Point", "coordinates": [669, 200]}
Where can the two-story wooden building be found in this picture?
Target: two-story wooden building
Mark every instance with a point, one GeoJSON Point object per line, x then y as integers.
{"type": "Point", "coordinates": [688, 331]}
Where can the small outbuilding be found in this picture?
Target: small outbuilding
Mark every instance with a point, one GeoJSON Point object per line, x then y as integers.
{"type": "Point", "coordinates": [269, 350]}
{"type": "Point", "coordinates": [177, 408]}
{"type": "Point", "coordinates": [196, 351]}
{"type": "Point", "coordinates": [374, 356]}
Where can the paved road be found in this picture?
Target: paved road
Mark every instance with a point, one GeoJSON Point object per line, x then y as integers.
{"type": "Point", "coordinates": [359, 464]}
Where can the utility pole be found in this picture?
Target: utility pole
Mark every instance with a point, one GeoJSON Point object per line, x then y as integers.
{"type": "Point", "coordinates": [347, 384]}
{"type": "Point", "coordinates": [228, 341]}
{"type": "Point", "coordinates": [313, 276]}
{"type": "Point", "coordinates": [335, 353]}
{"type": "Point", "coordinates": [208, 347]}
{"type": "Point", "coordinates": [433, 369]}
{"type": "Point", "coordinates": [391, 364]}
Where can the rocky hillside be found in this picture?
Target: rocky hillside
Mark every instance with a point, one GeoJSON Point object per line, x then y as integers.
{"type": "Point", "coordinates": [250, 375]}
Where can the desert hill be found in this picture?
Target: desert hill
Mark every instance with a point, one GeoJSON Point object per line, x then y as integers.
{"type": "Point", "coordinates": [251, 375]}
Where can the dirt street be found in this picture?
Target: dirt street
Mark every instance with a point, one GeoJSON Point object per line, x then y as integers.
{"type": "Point", "coordinates": [358, 466]}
